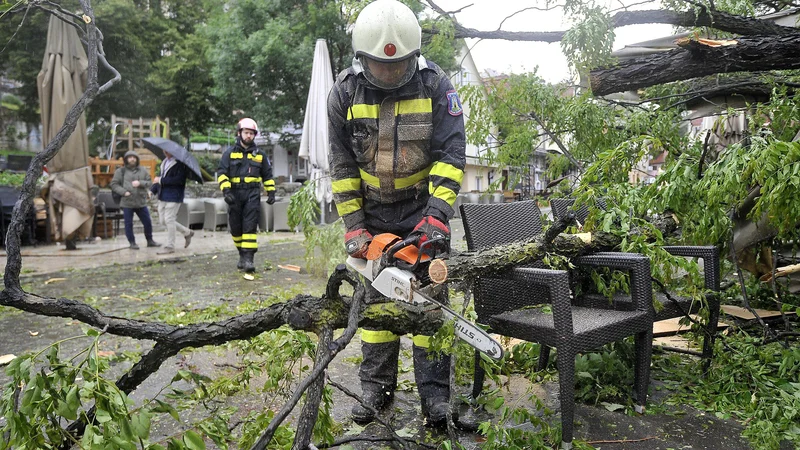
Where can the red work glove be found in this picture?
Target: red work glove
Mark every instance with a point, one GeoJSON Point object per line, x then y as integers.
{"type": "Point", "coordinates": [356, 243]}
{"type": "Point", "coordinates": [432, 228]}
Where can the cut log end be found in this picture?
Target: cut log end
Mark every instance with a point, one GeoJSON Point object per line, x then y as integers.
{"type": "Point", "coordinates": [438, 271]}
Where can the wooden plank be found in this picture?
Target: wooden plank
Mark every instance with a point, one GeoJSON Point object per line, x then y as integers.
{"type": "Point", "coordinates": [743, 313]}
{"type": "Point", "coordinates": [673, 326]}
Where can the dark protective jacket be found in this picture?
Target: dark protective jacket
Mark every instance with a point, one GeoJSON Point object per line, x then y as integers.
{"type": "Point", "coordinates": [395, 156]}
{"type": "Point", "coordinates": [242, 168]}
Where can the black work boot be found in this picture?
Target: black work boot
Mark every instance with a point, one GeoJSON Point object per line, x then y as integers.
{"type": "Point", "coordinates": [240, 264]}
{"type": "Point", "coordinates": [376, 400]}
{"type": "Point", "coordinates": [152, 243]}
{"type": "Point", "coordinates": [435, 410]}
{"type": "Point", "coordinates": [248, 265]}
{"type": "Point", "coordinates": [432, 373]}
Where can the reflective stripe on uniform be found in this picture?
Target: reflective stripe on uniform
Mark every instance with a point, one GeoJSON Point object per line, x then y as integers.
{"type": "Point", "coordinates": [347, 184]}
{"type": "Point", "coordinates": [269, 185]}
{"type": "Point", "coordinates": [401, 183]}
{"type": "Point", "coordinates": [371, 180]}
{"type": "Point", "coordinates": [416, 106]}
{"type": "Point", "coordinates": [442, 193]}
{"type": "Point", "coordinates": [258, 158]}
{"type": "Point", "coordinates": [237, 155]}
{"type": "Point", "coordinates": [378, 337]}
{"type": "Point", "coordinates": [224, 182]}
{"type": "Point", "coordinates": [249, 240]}
{"type": "Point", "coordinates": [421, 341]}
{"type": "Point", "coordinates": [349, 206]}
{"type": "Point", "coordinates": [237, 241]}
{"type": "Point", "coordinates": [448, 171]}
{"type": "Point", "coordinates": [246, 179]}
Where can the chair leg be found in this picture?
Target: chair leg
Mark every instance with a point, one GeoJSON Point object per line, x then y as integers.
{"type": "Point", "coordinates": [566, 393]}
{"type": "Point", "coordinates": [544, 357]}
{"type": "Point", "coordinates": [480, 376]}
{"type": "Point", "coordinates": [711, 329]}
{"type": "Point", "coordinates": [644, 351]}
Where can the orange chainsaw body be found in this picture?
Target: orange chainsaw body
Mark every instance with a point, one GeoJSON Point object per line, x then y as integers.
{"type": "Point", "coordinates": [384, 241]}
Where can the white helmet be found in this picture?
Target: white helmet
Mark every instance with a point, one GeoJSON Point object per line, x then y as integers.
{"type": "Point", "coordinates": [247, 123]}
{"type": "Point", "coordinates": [386, 40]}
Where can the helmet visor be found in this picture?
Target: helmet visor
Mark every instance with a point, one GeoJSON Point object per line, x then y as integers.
{"type": "Point", "coordinates": [389, 75]}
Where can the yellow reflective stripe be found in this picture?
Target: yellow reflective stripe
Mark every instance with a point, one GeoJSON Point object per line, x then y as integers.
{"type": "Point", "coordinates": [237, 155]}
{"type": "Point", "coordinates": [224, 185]}
{"type": "Point", "coordinates": [258, 158]}
{"type": "Point", "coordinates": [417, 106]}
{"type": "Point", "coordinates": [269, 188]}
{"type": "Point", "coordinates": [422, 105]}
{"type": "Point", "coordinates": [237, 238]}
{"type": "Point", "coordinates": [269, 183]}
{"type": "Point", "coordinates": [247, 179]}
{"type": "Point", "coordinates": [449, 171]}
{"type": "Point", "coordinates": [421, 341]}
{"type": "Point", "coordinates": [250, 236]}
{"type": "Point", "coordinates": [345, 185]}
{"type": "Point", "coordinates": [377, 337]}
{"type": "Point", "coordinates": [363, 112]}
{"type": "Point", "coordinates": [371, 180]}
{"type": "Point", "coordinates": [222, 178]}
{"type": "Point", "coordinates": [443, 193]}
{"type": "Point", "coordinates": [349, 206]}
{"type": "Point", "coordinates": [249, 244]}
{"type": "Point", "coordinates": [401, 183]}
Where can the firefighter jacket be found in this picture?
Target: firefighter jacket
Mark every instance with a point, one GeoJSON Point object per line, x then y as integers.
{"type": "Point", "coordinates": [398, 152]}
{"type": "Point", "coordinates": [242, 168]}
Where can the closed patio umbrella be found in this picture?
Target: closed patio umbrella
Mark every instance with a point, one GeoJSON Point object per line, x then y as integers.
{"type": "Point", "coordinates": [60, 83]}
{"type": "Point", "coordinates": [314, 144]}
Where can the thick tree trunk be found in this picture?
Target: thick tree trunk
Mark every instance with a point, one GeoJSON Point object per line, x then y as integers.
{"type": "Point", "coordinates": [753, 54]}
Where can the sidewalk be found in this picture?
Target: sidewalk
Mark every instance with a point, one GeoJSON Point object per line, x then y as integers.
{"type": "Point", "coordinates": [48, 258]}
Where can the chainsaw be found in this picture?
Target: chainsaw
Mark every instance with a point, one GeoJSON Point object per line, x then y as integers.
{"type": "Point", "coordinates": [391, 267]}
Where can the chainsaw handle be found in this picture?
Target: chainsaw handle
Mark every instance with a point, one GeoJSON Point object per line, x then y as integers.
{"type": "Point", "coordinates": [411, 240]}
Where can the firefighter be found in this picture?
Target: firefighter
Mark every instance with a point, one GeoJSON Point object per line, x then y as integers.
{"type": "Point", "coordinates": [397, 162]}
{"type": "Point", "coordinates": [243, 170]}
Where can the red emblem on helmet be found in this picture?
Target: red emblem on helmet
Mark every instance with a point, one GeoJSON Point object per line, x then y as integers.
{"type": "Point", "coordinates": [390, 49]}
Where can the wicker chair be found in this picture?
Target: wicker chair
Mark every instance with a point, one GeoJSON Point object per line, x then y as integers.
{"type": "Point", "coordinates": [677, 306]}
{"type": "Point", "coordinates": [505, 304]}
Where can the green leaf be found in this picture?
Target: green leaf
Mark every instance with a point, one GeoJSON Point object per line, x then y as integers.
{"type": "Point", "coordinates": [166, 408]}
{"type": "Point", "coordinates": [140, 422]}
{"type": "Point", "coordinates": [102, 416]}
{"type": "Point", "coordinates": [194, 441]}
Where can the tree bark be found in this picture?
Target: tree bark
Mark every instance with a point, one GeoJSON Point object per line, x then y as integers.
{"type": "Point", "coordinates": [753, 54]}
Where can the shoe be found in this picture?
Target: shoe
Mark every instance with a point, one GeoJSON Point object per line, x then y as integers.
{"type": "Point", "coordinates": [377, 400]}
{"type": "Point", "coordinates": [134, 246]}
{"type": "Point", "coordinates": [165, 251]}
{"type": "Point", "coordinates": [240, 264]}
{"type": "Point", "coordinates": [435, 410]}
{"type": "Point", "coordinates": [188, 239]}
{"type": "Point", "coordinates": [248, 266]}
{"type": "Point", "coordinates": [152, 243]}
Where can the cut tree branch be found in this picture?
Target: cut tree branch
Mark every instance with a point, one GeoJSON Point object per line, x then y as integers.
{"type": "Point", "coordinates": [752, 54]}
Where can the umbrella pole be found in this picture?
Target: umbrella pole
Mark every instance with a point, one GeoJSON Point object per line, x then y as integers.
{"type": "Point", "coordinates": [322, 212]}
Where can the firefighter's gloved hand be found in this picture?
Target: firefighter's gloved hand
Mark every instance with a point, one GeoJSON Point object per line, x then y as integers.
{"type": "Point", "coordinates": [430, 228]}
{"type": "Point", "coordinates": [270, 197]}
{"type": "Point", "coordinates": [356, 243]}
{"type": "Point", "coordinates": [229, 199]}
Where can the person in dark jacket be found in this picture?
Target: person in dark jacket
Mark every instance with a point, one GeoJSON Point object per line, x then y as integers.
{"type": "Point", "coordinates": [170, 187]}
{"type": "Point", "coordinates": [244, 171]}
{"type": "Point", "coordinates": [397, 162]}
{"type": "Point", "coordinates": [132, 182]}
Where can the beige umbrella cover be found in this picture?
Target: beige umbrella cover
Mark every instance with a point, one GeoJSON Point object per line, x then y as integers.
{"type": "Point", "coordinates": [314, 144]}
{"type": "Point", "coordinates": [61, 82]}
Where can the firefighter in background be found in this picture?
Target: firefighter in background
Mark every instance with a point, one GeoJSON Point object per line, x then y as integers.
{"type": "Point", "coordinates": [397, 162]}
{"type": "Point", "coordinates": [243, 171]}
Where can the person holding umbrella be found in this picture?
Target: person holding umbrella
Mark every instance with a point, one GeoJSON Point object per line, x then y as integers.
{"type": "Point", "coordinates": [397, 162]}
{"type": "Point", "coordinates": [243, 170]}
{"type": "Point", "coordinates": [169, 187]}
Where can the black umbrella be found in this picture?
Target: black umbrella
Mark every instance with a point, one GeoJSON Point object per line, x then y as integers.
{"type": "Point", "coordinates": [159, 145]}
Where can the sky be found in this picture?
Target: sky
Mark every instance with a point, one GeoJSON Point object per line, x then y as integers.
{"type": "Point", "coordinates": [519, 57]}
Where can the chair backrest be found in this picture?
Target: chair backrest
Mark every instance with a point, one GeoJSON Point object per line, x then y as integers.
{"type": "Point", "coordinates": [489, 225]}
{"type": "Point", "coordinates": [105, 198]}
{"type": "Point", "coordinates": [561, 206]}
